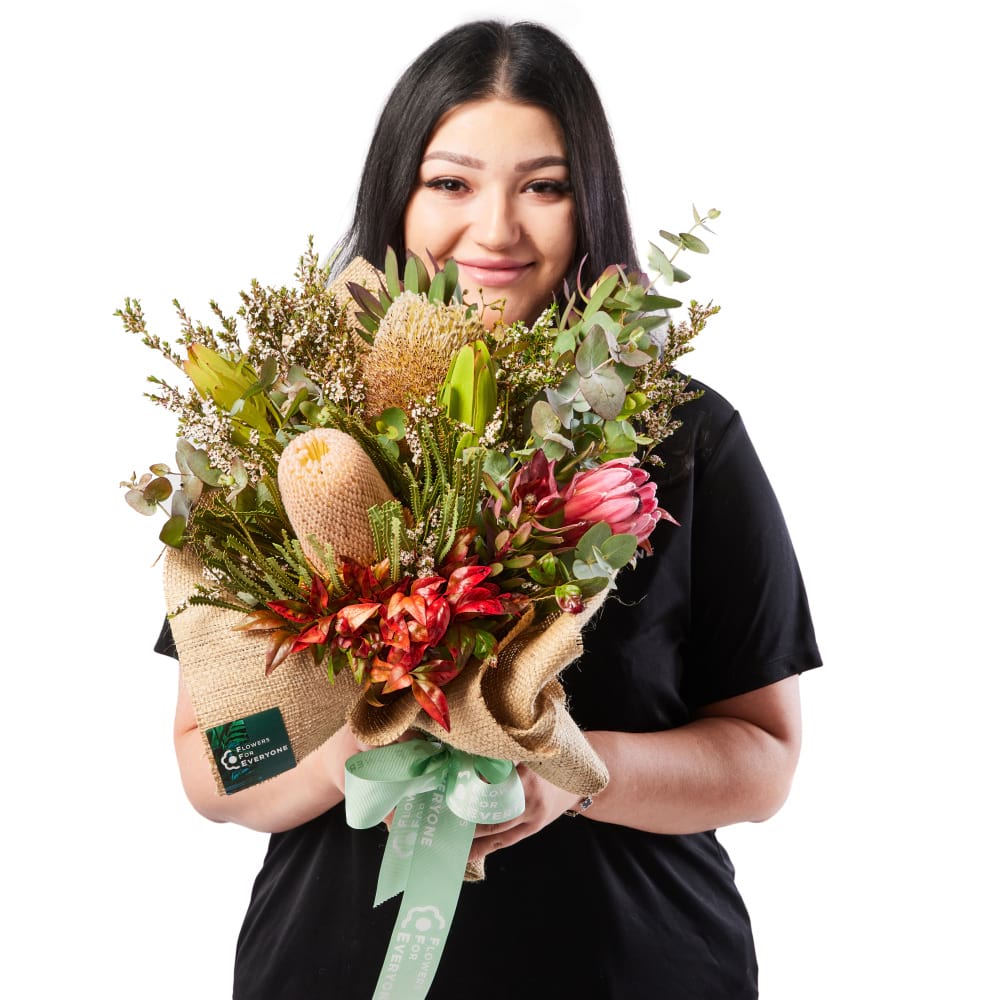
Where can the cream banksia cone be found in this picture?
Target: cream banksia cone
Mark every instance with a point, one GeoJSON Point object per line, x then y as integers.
{"type": "Point", "coordinates": [413, 349]}
{"type": "Point", "coordinates": [327, 483]}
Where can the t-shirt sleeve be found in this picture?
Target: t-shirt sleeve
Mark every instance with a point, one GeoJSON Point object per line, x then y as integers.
{"type": "Point", "coordinates": [751, 625]}
{"type": "Point", "coordinates": [165, 643]}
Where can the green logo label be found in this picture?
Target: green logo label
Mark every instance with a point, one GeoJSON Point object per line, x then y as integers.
{"type": "Point", "coordinates": [250, 750]}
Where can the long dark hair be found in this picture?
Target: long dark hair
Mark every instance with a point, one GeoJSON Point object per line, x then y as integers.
{"type": "Point", "coordinates": [523, 62]}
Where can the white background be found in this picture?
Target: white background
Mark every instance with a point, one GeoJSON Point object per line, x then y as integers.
{"type": "Point", "coordinates": [179, 150]}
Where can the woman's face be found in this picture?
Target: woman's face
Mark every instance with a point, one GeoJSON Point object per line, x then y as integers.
{"type": "Point", "coordinates": [493, 192]}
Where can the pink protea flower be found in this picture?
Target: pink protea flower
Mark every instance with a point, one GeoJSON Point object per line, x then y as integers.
{"type": "Point", "coordinates": [618, 493]}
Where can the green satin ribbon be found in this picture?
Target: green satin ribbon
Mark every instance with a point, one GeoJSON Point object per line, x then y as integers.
{"type": "Point", "coordinates": [439, 796]}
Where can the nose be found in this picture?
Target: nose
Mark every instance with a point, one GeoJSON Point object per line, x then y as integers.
{"type": "Point", "coordinates": [496, 223]}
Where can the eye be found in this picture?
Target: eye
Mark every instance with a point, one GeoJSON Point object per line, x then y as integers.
{"type": "Point", "coordinates": [549, 187]}
{"type": "Point", "coordinates": [449, 185]}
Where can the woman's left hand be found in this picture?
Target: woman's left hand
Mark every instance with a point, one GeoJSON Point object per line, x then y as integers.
{"type": "Point", "coordinates": [543, 803]}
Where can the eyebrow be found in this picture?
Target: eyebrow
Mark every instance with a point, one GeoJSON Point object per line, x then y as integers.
{"type": "Point", "coordinates": [469, 161]}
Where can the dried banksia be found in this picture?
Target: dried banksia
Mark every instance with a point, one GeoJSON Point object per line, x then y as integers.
{"type": "Point", "coordinates": [413, 349]}
{"type": "Point", "coordinates": [327, 484]}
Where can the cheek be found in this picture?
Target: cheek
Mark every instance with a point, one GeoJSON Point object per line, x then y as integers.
{"type": "Point", "coordinates": [561, 240]}
{"type": "Point", "coordinates": [425, 225]}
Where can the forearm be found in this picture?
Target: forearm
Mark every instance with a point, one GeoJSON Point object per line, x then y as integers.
{"type": "Point", "coordinates": [296, 796]}
{"type": "Point", "coordinates": [280, 803]}
{"type": "Point", "coordinates": [710, 773]}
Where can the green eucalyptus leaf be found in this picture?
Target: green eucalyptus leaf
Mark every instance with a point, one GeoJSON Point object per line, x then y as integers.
{"type": "Point", "coordinates": [679, 278]}
{"type": "Point", "coordinates": [564, 342]}
{"type": "Point", "coordinates": [554, 450]}
{"type": "Point", "coordinates": [693, 243]}
{"type": "Point", "coordinates": [544, 420]}
{"type": "Point", "coordinates": [671, 238]}
{"type": "Point", "coordinates": [389, 446]}
{"type": "Point", "coordinates": [158, 490]}
{"type": "Point", "coordinates": [201, 466]}
{"type": "Point", "coordinates": [714, 213]}
{"type": "Point", "coordinates": [658, 262]}
{"type": "Point", "coordinates": [631, 356]}
{"type": "Point", "coordinates": [392, 423]}
{"type": "Point", "coordinates": [137, 501]}
{"type": "Point", "coordinates": [172, 533]}
{"type": "Point", "coordinates": [184, 451]}
{"type": "Point", "coordinates": [593, 538]}
{"type": "Point", "coordinates": [180, 505]}
{"type": "Point", "coordinates": [593, 586]}
{"type": "Point", "coordinates": [592, 353]}
{"type": "Point", "coordinates": [619, 439]}
{"type": "Point", "coordinates": [653, 302]}
{"type": "Point", "coordinates": [563, 408]}
{"type": "Point", "coordinates": [604, 390]}
{"type": "Point", "coordinates": [160, 469]}
{"type": "Point", "coordinates": [618, 550]}
{"type": "Point", "coordinates": [611, 327]}
{"type": "Point", "coordinates": [652, 321]}
{"type": "Point", "coordinates": [587, 570]}
{"type": "Point", "coordinates": [497, 466]}
{"type": "Point", "coordinates": [569, 386]}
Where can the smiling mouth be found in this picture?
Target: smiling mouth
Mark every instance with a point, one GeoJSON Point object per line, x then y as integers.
{"type": "Point", "coordinates": [495, 274]}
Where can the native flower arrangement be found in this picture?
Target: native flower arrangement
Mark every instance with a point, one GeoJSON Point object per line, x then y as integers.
{"type": "Point", "coordinates": [485, 471]}
{"type": "Point", "coordinates": [476, 472]}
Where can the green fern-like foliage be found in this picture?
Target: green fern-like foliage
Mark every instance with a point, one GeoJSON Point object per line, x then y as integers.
{"type": "Point", "coordinates": [388, 524]}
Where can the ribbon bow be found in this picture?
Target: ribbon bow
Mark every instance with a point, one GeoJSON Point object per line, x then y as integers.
{"type": "Point", "coordinates": [439, 795]}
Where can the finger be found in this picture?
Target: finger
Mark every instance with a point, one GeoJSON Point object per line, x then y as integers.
{"type": "Point", "coordinates": [491, 829]}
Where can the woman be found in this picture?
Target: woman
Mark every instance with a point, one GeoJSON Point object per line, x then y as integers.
{"type": "Point", "coordinates": [493, 149]}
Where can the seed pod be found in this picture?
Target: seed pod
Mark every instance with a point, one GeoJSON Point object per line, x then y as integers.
{"type": "Point", "coordinates": [327, 483]}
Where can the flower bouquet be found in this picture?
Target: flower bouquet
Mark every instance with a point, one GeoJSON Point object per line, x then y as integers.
{"type": "Point", "coordinates": [384, 513]}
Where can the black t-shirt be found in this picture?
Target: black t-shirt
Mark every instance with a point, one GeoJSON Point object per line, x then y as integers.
{"type": "Point", "coordinates": [594, 910]}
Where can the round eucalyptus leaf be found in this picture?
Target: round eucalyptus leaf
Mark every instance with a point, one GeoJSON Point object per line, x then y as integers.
{"type": "Point", "coordinates": [172, 533]}
{"type": "Point", "coordinates": [605, 392]}
{"type": "Point", "coordinates": [192, 487]}
{"type": "Point", "coordinates": [592, 353]}
{"type": "Point", "coordinates": [180, 505]}
{"type": "Point", "coordinates": [544, 420]}
{"type": "Point", "coordinates": [619, 549]}
{"type": "Point", "coordinates": [158, 490]}
{"type": "Point", "coordinates": [136, 500]}
{"type": "Point", "coordinates": [202, 467]}
{"type": "Point", "coordinates": [658, 262]}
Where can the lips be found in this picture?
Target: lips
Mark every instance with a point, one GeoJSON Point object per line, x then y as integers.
{"type": "Point", "coordinates": [493, 273]}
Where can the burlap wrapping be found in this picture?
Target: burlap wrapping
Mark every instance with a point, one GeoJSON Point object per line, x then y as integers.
{"type": "Point", "coordinates": [512, 708]}
{"type": "Point", "coordinates": [223, 670]}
